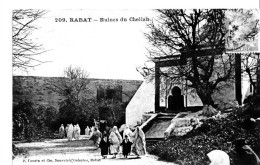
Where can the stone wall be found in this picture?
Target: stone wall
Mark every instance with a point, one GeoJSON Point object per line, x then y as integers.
{"type": "Point", "coordinates": [37, 89]}
{"type": "Point", "coordinates": [142, 102]}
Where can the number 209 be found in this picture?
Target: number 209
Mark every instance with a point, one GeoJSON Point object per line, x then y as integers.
{"type": "Point", "coordinates": [60, 20]}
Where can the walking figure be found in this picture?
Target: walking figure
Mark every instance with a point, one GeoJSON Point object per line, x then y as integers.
{"type": "Point", "coordinates": [126, 146]}
{"type": "Point", "coordinates": [104, 145]}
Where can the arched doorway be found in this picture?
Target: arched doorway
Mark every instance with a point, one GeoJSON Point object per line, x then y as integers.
{"type": "Point", "coordinates": [175, 100]}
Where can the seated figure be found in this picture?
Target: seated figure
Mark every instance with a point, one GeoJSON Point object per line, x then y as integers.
{"type": "Point", "coordinates": [175, 101]}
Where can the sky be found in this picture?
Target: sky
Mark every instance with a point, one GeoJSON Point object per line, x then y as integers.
{"type": "Point", "coordinates": [105, 49]}
{"type": "Point", "coordinates": [109, 50]}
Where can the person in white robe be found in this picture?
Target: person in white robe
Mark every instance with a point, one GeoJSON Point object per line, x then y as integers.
{"type": "Point", "coordinates": [66, 130]}
{"type": "Point", "coordinates": [127, 132]}
{"type": "Point", "coordinates": [115, 139]}
{"type": "Point", "coordinates": [74, 131]}
{"type": "Point", "coordinates": [70, 132]}
{"type": "Point", "coordinates": [92, 130]}
{"type": "Point", "coordinates": [77, 132]}
{"type": "Point", "coordinates": [61, 131]}
{"type": "Point", "coordinates": [87, 131]}
{"type": "Point", "coordinates": [139, 144]}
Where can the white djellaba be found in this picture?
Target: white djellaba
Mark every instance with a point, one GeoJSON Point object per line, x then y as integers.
{"type": "Point", "coordinates": [87, 131]}
{"type": "Point", "coordinates": [92, 130]}
{"type": "Point", "coordinates": [70, 132]}
{"type": "Point", "coordinates": [74, 131]}
{"type": "Point", "coordinates": [77, 132]}
{"type": "Point", "coordinates": [66, 130]}
{"type": "Point", "coordinates": [128, 132]}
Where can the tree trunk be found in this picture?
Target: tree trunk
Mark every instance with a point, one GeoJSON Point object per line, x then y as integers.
{"type": "Point", "coordinates": [251, 80]}
{"type": "Point", "coordinates": [205, 96]}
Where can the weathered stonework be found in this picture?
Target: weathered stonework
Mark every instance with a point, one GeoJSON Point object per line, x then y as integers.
{"type": "Point", "coordinates": [37, 89]}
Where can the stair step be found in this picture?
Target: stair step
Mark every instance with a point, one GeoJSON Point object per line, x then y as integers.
{"type": "Point", "coordinates": [154, 139]}
{"type": "Point", "coordinates": [165, 117]}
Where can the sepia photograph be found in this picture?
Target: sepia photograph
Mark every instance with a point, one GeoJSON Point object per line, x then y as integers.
{"type": "Point", "coordinates": [176, 86]}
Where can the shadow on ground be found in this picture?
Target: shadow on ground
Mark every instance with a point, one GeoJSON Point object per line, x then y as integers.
{"type": "Point", "coordinates": [62, 146]}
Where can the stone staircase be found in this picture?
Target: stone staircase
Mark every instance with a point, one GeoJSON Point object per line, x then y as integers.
{"type": "Point", "coordinates": [155, 127]}
{"type": "Point", "coordinates": [158, 126]}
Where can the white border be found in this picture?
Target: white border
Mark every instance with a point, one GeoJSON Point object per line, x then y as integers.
{"type": "Point", "coordinates": [6, 47]}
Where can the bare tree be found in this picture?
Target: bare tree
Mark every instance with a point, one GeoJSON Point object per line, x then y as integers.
{"type": "Point", "coordinates": [79, 105]}
{"type": "Point", "coordinates": [25, 49]}
{"type": "Point", "coordinates": [250, 64]}
{"type": "Point", "coordinates": [199, 37]}
{"type": "Point", "coordinates": [73, 85]}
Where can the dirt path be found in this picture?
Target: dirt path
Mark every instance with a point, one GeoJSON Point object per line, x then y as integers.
{"type": "Point", "coordinates": [60, 151]}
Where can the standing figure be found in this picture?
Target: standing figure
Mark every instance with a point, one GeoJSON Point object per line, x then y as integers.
{"type": "Point", "coordinates": [97, 124]}
{"type": "Point", "coordinates": [96, 137]}
{"type": "Point", "coordinates": [87, 131]}
{"type": "Point", "coordinates": [139, 146]}
{"type": "Point", "coordinates": [108, 130]}
{"type": "Point", "coordinates": [245, 154]}
{"type": "Point", "coordinates": [126, 146]}
{"type": "Point", "coordinates": [70, 132]}
{"type": "Point", "coordinates": [66, 131]}
{"type": "Point", "coordinates": [91, 130]}
{"type": "Point", "coordinates": [74, 131]}
{"type": "Point", "coordinates": [104, 145]}
{"type": "Point", "coordinates": [115, 139]}
{"type": "Point", "coordinates": [77, 132]}
{"type": "Point", "coordinates": [127, 132]}
{"type": "Point", "coordinates": [99, 135]}
{"type": "Point", "coordinates": [61, 131]}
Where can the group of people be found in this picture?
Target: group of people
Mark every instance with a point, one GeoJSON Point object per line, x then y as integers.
{"type": "Point", "coordinates": [110, 141]}
{"type": "Point", "coordinates": [71, 132]}
{"type": "Point", "coordinates": [89, 130]}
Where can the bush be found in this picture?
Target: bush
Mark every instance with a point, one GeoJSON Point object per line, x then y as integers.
{"type": "Point", "coordinates": [213, 134]}
{"type": "Point", "coordinates": [17, 151]}
{"type": "Point", "coordinates": [78, 112]}
{"type": "Point", "coordinates": [112, 111]}
{"type": "Point", "coordinates": [33, 122]}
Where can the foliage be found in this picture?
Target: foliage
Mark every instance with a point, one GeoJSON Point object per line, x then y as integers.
{"type": "Point", "coordinates": [25, 49]}
{"type": "Point", "coordinates": [199, 37]}
{"type": "Point", "coordinates": [112, 111]}
{"type": "Point", "coordinates": [21, 114]}
{"type": "Point", "coordinates": [17, 151]}
{"type": "Point", "coordinates": [33, 122]}
{"type": "Point", "coordinates": [83, 112]}
{"type": "Point", "coordinates": [86, 111]}
{"type": "Point", "coordinates": [76, 108]}
{"type": "Point", "coordinates": [213, 134]}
